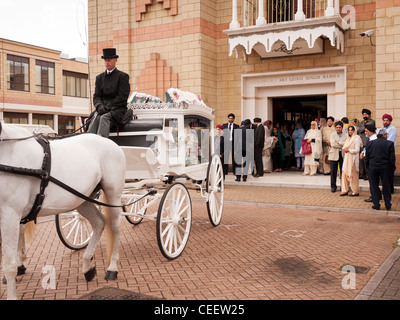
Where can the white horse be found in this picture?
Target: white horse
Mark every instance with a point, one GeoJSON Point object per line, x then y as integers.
{"type": "Point", "coordinates": [81, 162]}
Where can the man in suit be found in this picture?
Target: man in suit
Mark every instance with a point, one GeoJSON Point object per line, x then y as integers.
{"type": "Point", "coordinates": [381, 161]}
{"type": "Point", "coordinates": [337, 140]}
{"type": "Point", "coordinates": [110, 96]}
{"type": "Point", "coordinates": [243, 151]}
{"type": "Point", "coordinates": [259, 138]}
{"type": "Point", "coordinates": [229, 135]}
{"type": "Point", "coordinates": [391, 136]}
{"type": "Point", "coordinates": [366, 114]}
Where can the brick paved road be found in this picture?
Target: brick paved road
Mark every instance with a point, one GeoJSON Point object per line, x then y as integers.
{"type": "Point", "coordinates": [258, 252]}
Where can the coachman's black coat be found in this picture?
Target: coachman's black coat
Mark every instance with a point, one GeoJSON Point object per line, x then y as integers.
{"type": "Point", "coordinates": [112, 92]}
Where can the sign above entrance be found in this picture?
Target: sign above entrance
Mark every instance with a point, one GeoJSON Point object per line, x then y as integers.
{"type": "Point", "coordinates": [260, 90]}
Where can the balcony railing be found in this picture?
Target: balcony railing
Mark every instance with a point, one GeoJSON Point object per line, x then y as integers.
{"type": "Point", "coordinates": [261, 12]}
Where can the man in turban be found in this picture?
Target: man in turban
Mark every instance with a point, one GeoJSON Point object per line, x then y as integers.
{"type": "Point", "coordinates": [361, 132]}
{"type": "Point", "coordinates": [391, 136]}
{"type": "Point", "coordinates": [390, 129]}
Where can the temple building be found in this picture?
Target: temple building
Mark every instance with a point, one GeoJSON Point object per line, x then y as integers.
{"type": "Point", "coordinates": [280, 60]}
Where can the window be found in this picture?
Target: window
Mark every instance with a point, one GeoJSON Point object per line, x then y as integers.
{"type": "Point", "coordinates": [45, 82]}
{"type": "Point", "coordinates": [197, 140]}
{"type": "Point", "coordinates": [43, 119]}
{"type": "Point", "coordinates": [66, 125]}
{"type": "Point", "coordinates": [15, 117]}
{"type": "Point", "coordinates": [75, 84]}
{"type": "Point", "coordinates": [17, 73]}
{"type": "Point", "coordinates": [171, 129]}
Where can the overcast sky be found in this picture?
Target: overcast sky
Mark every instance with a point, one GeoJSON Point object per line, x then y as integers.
{"type": "Point", "coordinates": [55, 24]}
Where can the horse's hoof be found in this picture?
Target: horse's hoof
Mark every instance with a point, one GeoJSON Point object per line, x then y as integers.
{"type": "Point", "coordinates": [90, 274]}
{"type": "Point", "coordinates": [21, 270]}
{"type": "Point", "coordinates": [111, 275]}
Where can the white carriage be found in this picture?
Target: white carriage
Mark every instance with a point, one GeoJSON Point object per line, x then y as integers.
{"type": "Point", "coordinates": [168, 148]}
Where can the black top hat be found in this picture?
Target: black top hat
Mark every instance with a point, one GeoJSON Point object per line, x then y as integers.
{"type": "Point", "coordinates": [109, 53]}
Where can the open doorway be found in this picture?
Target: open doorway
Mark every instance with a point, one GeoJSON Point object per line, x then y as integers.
{"type": "Point", "coordinates": [304, 108]}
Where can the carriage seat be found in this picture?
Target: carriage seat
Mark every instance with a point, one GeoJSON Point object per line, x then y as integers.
{"type": "Point", "coordinates": [136, 125]}
{"type": "Point", "coordinates": [122, 136]}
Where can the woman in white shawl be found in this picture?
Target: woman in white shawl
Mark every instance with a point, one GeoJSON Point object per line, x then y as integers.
{"type": "Point", "coordinates": [311, 161]}
{"type": "Point", "coordinates": [351, 168]}
{"type": "Point", "coordinates": [269, 144]}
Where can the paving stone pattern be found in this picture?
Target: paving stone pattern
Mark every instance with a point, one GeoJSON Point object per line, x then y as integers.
{"type": "Point", "coordinates": [261, 250]}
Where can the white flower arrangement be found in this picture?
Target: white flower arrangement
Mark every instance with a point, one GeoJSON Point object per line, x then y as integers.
{"type": "Point", "coordinates": [177, 96]}
{"type": "Point", "coordinates": [173, 95]}
{"type": "Point", "coordinates": [138, 97]}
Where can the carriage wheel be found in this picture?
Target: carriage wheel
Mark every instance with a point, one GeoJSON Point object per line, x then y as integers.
{"type": "Point", "coordinates": [74, 230]}
{"type": "Point", "coordinates": [215, 190]}
{"type": "Point", "coordinates": [174, 220]}
{"type": "Point", "coordinates": [137, 209]}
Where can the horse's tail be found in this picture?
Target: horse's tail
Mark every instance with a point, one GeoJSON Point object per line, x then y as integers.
{"type": "Point", "coordinates": [29, 232]}
{"type": "Point", "coordinates": [108, 231]}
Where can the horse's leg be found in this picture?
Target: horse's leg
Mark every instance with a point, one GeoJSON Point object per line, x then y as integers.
{"type": "Point", "coordinates": [9, 231]}
{"type": "Point", "coordinates": [21, 251]}
{"type": "Point", "coordinates": [97, 221]}
{"type": "Point", "coordinates": [115, 224]}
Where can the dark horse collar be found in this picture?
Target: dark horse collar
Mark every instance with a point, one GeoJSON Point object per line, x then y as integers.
{"type": "Point", "coordinates": [44, 176]}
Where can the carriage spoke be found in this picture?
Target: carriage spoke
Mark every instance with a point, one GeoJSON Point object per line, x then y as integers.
{"type": "Point", "coordinates": [167, 228]}
{"type": "Point", "coordinates": [73, 227]}
{"type": "Point", "coordinates": [183, 210]}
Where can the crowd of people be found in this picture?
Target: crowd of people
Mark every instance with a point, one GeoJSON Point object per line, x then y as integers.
{"type": "Point", "coordinates": [345, 150]}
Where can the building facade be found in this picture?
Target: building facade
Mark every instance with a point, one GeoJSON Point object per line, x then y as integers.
{"type": "Point", "coordinates": [41, 86]}
{"type": "Point", "coordinates": [280, 60]}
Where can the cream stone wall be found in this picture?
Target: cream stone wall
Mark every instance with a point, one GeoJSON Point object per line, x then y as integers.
{"type": "Point", "coordinates": [192, 43]}
{"type": "Point", "coordinates": [388, 63]}
{"type": "Point", "coordinates": [358, 58]}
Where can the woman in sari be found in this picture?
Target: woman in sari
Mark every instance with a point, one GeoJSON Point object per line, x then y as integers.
{"type": "Point", "coordinates": [311, 161]}
{"type": "Point", "coordinates": [351, 168]}
{"type": "Point", "coordinates": [298, 136]}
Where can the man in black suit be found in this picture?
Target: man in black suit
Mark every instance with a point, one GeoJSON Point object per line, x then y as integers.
{"type": "Point", "coordinates": [259, 137]}
{"type": "Point", "coordinates": [243, 152]}
{"type": "Point", "coordinates": [110, 95]}
{"type": "Point", "coordinates": [367, 121]}
{"type": "Point", "coordinates": [229, 143]}
{"type": "Point", "coordinates": [381, 161]}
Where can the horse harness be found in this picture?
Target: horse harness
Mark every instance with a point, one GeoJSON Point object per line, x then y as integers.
{"type": "Point", "coordinates": [44, 175]}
